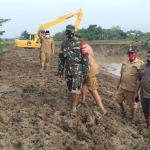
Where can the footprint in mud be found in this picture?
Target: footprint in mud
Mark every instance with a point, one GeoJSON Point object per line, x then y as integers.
{"type": "Point", "coordinates": [64, 113]}
{"type": "Point", "coordinates": [88, 120]}
{"type": "Point", "coordinates": [29, 89]}
{"type": "Point", "coordinates": [50, 101]}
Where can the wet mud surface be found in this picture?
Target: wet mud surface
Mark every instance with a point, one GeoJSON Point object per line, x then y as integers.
{"type": "Point", "coordinates": [36, 112]}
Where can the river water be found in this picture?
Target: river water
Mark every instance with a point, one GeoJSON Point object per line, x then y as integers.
{"type": "Point", "coordinates": [112, 64]}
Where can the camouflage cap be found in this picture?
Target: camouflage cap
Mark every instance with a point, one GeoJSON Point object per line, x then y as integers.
{"type": "Point", "coordinates": [70, 27]}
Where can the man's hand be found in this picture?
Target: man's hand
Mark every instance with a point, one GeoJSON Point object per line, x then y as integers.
{"type": "Point", "coordinates": [118, 86]}
{"type": "Point", "coordinates": [41, 28]}
{"type": "Point", "coordinates": [86, 74]}
{"type": "Point", "coordinates": [60, 76]}
{"type": "Point", "coordinates": [135, 95]}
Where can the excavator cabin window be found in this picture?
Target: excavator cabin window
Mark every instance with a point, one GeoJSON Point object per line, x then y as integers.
{"type": "Point", "coordinates": [32, 37]}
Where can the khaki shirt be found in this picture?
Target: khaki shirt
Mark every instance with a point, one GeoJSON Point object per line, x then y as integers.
{"type": "Point", "coordinates": [47, 44]}
{"type": "Point", "coordinates": [129, 72]}
{"type": "Point", "coordinates": [94, 67]}
{"type": "Point", "coordinates": [144, 77]}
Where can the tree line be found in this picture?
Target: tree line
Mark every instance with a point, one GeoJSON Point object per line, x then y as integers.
{"type": "Point", "coordinates": [2, 43]}
{"type": "Point", "coordinates": [94, 32]}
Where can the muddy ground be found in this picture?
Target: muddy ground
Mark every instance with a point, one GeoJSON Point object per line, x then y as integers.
{"type": "Point", "coordinates": [35, 111]}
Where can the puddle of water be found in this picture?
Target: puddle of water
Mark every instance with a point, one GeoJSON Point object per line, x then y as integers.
{"type": "Point", "coordinates": [113, 68]}
{"type": "Point", "coordinates": [112, 64]}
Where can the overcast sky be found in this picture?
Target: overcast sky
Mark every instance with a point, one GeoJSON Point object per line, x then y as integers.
{"type": "Point", "coordinates": [30, 14]}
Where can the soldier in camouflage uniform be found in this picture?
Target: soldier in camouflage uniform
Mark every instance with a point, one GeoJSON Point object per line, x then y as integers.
{"type": "Point", "coordinates": [76, 63]}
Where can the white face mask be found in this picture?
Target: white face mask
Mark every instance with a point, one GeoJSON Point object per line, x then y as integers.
{"type": "Point", "coordinates": [47, 36]}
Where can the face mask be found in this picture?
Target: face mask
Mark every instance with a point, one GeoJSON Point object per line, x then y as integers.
{"type": "Point", "coordinates": [70, 35]}
{"type": "Point", "coordinates": [148, 61]}
{"type": "Point", "coordinates": [47, 36]}
{"type": "Point", "coordinates": [132, 57]}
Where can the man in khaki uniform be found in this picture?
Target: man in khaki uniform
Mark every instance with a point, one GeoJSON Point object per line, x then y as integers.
{"type": "Point", "coordinates": [127, 83]}
{"type": "Point", "coordinates": [91, 81]}
{"type": "Point", "coordinates": [47, 47]}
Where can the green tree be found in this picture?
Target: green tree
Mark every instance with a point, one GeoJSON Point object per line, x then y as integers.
{"type": "Point", "coordinates": [24, 34]}
{"type": "Point", "coordinates": [93, 32]}
{"type": "Point", "coordinates": [60, 36]}
{"type": "Point", "coordinates": [116, 33]}
{"type": "Point", "coordinates": [2, 43]}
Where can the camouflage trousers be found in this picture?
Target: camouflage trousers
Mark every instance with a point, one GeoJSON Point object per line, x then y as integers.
{"type": "Point", "coordinates": [74, 83]}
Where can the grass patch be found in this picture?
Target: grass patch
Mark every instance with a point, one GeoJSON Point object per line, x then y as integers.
{"type": "Point", "coordinates": [1, 51]}
{"type": "Point", "coordinates": [5, 44]}
{"type": "Point", "coordinates": [2, 46]}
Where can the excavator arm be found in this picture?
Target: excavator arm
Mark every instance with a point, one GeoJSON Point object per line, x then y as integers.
{"type": "Point", "coordinates": [34, 42]}
{"type": "Point", "coordinates": [78, 13]}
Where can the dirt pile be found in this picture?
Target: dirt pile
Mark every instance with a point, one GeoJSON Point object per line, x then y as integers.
{"type": "Point", "coordinates": [35, 111]}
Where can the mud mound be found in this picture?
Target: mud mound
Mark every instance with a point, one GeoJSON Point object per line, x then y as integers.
{"type": "Point", "coordinates": [35, 111]}
{"type": "Point", "coordinates": [119, 50]}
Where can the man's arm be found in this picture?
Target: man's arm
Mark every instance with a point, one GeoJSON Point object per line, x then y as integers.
{"type": "Point", "coordinates": [53, 46]}
{"type": "Point", "coordinates": [39, 34]}
{"type": "Point", "coordinates": [61, 61]}
{"type": "Point", "coordinates": [85, 58]}
{"type": "Point", "coordinates": [119, 81]}
{"type": "Point", "coordinates": [61, 64]}
{"type": "Point", "coordinates": [85, 63]}
{"type": "Point", "coordinates": [121, 72]}
{"type": "Point", "coordinates": [138, 84]}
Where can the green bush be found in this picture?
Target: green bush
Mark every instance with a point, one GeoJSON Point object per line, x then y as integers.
{"type": "Point", "coordinates": [148, 45]}
{"type": "Point", "coordinates": [125, 45]}
{"type": "Point", "coordinates": [2, 43]}
{"type": "Point", "coordinates": [2, 46]}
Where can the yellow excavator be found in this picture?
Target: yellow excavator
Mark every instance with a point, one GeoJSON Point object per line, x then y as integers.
{"type": "Point", "coordinates": [33, 40]}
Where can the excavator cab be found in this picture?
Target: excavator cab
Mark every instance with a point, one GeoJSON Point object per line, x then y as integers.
{"type": "Point", "coordinates": [31, 37]}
